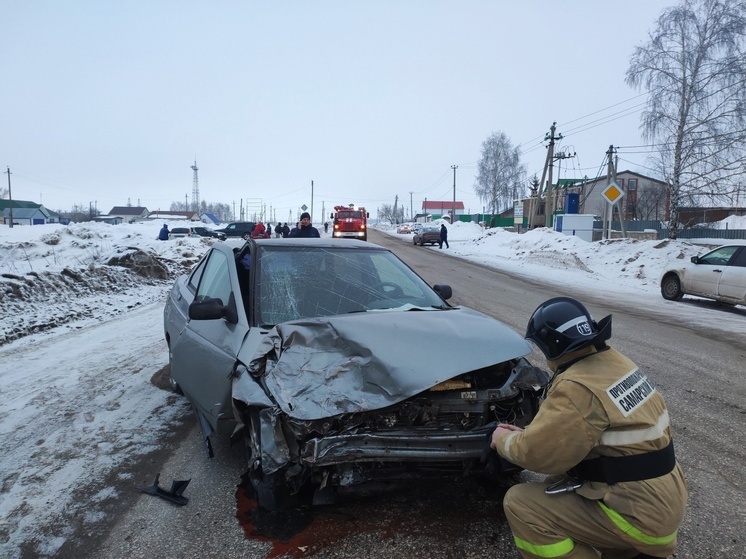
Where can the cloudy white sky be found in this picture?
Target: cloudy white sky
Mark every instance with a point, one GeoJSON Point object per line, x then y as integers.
{"type": "Point", "coordinates": [106, 103]}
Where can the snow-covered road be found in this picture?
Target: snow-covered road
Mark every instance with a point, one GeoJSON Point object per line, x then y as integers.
{"type": "Point", "coordinates": [72, 409]}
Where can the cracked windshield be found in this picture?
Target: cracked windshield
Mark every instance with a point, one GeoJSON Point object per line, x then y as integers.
{"type": "Point", "coordinates": [298, 283]}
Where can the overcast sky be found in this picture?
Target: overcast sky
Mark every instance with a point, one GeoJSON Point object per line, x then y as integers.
{"type": "Point", "coordinates": [109, 103]}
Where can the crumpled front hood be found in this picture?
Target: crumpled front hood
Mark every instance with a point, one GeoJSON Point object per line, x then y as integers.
{"type": "Point", "coordinates": [322, 367]}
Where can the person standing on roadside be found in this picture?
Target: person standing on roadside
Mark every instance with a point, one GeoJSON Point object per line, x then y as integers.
{"type": "Point", "coordinates": [304, 228]}
{"type": "Point", "coordinates": [164, 233]}
{"type": "Point", "coordinates": [444, 235]}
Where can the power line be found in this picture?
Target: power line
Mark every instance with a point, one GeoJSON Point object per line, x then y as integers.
{"type": "Point", "coordinates": [541, 138]}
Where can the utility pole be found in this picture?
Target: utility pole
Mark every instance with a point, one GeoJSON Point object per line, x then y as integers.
{"type": "Point", "coordinates": [10, 198]}
{"type": "Point", "coordinates": [411, 213]}
{"type": "Point", "coordinates": [611, 176]}
{"type": "Point", "coordinates": [559, 157]}
{"type": "Point", "coordinates": [453, 215]}
{"type": "Point", "coordinates": [550, 157]}
{"type": "Point", "coordinates": [535, 204]}
{"type": "Point", "coordinates": [311, 201]}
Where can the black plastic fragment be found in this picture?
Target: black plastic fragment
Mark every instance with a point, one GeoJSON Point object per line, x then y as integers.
{"type": "Point", "coordinates": [174, 496]}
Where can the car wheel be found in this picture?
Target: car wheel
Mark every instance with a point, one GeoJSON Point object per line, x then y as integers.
{"type": "Point", "coordinates": [174, 385]}
{"type": "Point", "coordinates": [272, 493]}
{"type": "Point", "coordinates": [246, 236]}
{"type": "Point", "coordinates": [422, 243]}
{"type": "Point", "coordinates": [671, 288]}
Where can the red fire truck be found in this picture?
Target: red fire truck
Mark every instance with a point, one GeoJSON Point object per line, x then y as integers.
{"type": "Point", "coordinates": [350, 222]}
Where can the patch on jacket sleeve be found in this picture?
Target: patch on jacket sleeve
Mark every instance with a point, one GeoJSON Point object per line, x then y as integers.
{"type": "Point", "coordinates": [630, 392]}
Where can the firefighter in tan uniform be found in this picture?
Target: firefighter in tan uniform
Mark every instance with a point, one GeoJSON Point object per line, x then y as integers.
{"type": "Point", "coordinates": [605, 428]}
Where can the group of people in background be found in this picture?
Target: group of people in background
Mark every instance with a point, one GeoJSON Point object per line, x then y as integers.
{"type": "Point", "coordinates": [302, 229]}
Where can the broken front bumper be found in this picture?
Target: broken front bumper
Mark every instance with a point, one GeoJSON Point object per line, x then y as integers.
{"type": "Point", "coordinates": [395, 447]}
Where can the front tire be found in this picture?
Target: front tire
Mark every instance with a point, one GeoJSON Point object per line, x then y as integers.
{"type": "Point", "coordinates": [671, 288]}
{"type": "Point", "coordinates": [275, 495]}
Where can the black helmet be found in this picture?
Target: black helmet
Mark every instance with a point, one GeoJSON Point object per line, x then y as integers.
{"type": "Point", "coordinates": [563, 324]}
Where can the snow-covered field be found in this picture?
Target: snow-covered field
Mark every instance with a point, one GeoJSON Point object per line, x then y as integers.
{"type": "Point", "coordinates": [75, 408]}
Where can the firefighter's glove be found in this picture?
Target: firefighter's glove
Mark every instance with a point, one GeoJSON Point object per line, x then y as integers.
{"type": "Point", "coordinates": [494, 463]}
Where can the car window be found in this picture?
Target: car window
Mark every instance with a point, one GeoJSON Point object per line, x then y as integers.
{"type": "Point", "coordinates": [740, 260]}
{"type": "Point", "coordinates": [298, 282]}
{"type": "Point", "coordinates": [215, 282]}
{"type": "Point", "coordinates": [719, 256]}
{"type": "Point", "coordinates": [386, 272]}
{"type": "Point", "coordinates": [279, 284]}
{"type": "Point", "coordinates": [196, 275]}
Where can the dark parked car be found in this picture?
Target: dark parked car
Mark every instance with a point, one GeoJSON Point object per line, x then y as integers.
{"type": "Point", "coordinates": [720, 275]}
{"type": "Point", "coordinates": [205, 232]}
{"type": "Point", "coordinates": [429, 234]}
{"type": "Point", "coordinates": [339, 365]}
{"type": "Point", "coordinates": [241, 229]}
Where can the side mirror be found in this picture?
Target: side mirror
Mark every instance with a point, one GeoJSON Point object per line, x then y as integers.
{"type": "Point", "coordinates": [695, 259]}
{"type": "Point", "coordinates": [213, 309]}
{"type": "Point", "coordinates": [444, 291]}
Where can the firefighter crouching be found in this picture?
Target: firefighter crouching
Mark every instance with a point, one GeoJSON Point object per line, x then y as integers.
{"type": "Point", "coordinates": [605, 427]}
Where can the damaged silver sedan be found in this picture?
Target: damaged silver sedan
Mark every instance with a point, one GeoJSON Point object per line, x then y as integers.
{"type": "Point", "coordinates": [338, 365]}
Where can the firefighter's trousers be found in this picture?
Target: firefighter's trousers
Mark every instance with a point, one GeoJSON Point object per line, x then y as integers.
{"type": "Point", "coordinates": [566, 526]}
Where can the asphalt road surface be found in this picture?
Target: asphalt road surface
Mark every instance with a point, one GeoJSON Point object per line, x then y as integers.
{"type": "Point", "coordinates": [701, 375]}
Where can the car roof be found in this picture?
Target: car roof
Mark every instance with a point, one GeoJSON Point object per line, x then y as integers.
{"type": "Point", "coordinates": [316, 243]}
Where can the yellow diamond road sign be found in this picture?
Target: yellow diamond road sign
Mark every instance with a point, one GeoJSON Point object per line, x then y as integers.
{"type": "Point", "coordinates": [612, 193]}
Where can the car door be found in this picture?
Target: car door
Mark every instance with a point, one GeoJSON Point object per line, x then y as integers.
{"type": "Point", "coordinates": [732, 285]}
{"type": "Point", "coordinates": [703, 277]}
{"type": "Point", "coordinates": [204, 354]}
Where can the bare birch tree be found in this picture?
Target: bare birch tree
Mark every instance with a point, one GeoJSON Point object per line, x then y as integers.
{"type": "Point", "coordinates": [502, 176]}
{"type": "Point", "coordinates": [694, 69]}
{"type": "Point", "coordinates": [386, 213]}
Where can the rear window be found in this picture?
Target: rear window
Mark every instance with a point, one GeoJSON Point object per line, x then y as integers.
{"type": "Point", "coordinates": [179, 230]}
